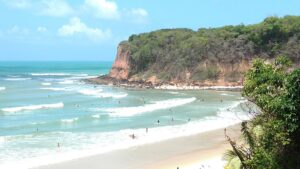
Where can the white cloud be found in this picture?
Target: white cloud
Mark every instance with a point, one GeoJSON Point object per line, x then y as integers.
{"type": "Point", "coordinates": [135, 15]}
{"type": "Point", "coordinates": [41, 29]}
{"type": "Point", "coordinates": [16, 30]}
{"type": "Point", "coordinates": [104, 9]}
{"type": "Point", "coordinates": [139, 12]}
{"type": "Point", "coordinates": [75, 26]}
{"type": "Point", "coordinates": [55, 8]}
{"type": "Point", "coordinates": [19, 4]}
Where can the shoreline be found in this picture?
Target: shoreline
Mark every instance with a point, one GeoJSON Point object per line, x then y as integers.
{"type": "Point", "coordinates": [106, 80]}
{"type": "Point", "coordinates": [183, 152]}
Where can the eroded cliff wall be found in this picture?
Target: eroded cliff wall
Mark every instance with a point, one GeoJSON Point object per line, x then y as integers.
{"type": "Point", "coordinates": [121, 66]}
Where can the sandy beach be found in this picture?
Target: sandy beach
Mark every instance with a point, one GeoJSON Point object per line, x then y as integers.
{"type": "Point", "coordinates": [201, 150]}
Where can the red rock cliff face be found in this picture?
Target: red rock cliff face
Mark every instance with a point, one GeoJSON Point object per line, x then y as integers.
{"type": "Point", "coordinates": [121, 66]}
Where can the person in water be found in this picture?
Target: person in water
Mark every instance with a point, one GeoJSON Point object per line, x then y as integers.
{"type": "Point", "coordinates": [132, 136]}
{"type": "Point", "coordinates": [158, 121]}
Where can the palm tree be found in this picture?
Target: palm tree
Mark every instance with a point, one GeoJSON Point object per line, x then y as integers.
{"type": "Point", "coordinates": [241, 152]}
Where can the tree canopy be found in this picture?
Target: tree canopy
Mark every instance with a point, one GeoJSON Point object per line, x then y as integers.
{"type": "Point", "coordinates": [168, 53]}
{"type": "Point", "coordinates": [275, 88]}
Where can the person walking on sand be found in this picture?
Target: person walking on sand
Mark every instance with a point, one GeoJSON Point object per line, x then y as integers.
{"type": "Point", "coordinates": [147, 130]}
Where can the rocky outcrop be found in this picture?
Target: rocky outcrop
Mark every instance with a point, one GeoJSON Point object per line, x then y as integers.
{"type": "Point", "coordinates": [206, 57]}
{"type": "Point", "coordinates": [121, 66]}
{"type": "Point", "coordinates": [119, 74]}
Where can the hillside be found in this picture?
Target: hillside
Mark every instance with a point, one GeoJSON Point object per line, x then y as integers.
{"type": "Point", "coordinates": [213, 56]}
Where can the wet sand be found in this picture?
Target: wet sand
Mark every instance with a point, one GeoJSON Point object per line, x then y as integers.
{"type": "Point", "coordinates": [184, 152]}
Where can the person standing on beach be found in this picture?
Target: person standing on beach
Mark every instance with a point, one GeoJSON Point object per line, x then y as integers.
{"type": "Point", "coordinates": [147, 130]}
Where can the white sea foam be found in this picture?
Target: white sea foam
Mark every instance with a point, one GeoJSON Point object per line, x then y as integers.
{"type": "Point", "coordinates": [55, 88]}
{"type": "Point", "coordinates": [17, 79]}
{"type": "Point", "coordinates": [69, 120]}
{"type": "Point", "coordinates": [82, 75]}
{"type": "Point", "coordinates": [2, 88]}
{"type": "Point", "coordinates": [174, 92]}
{"type": "Point", "coordinates": [37, 123]}
{"type": "Point", "coordinates": [232, 112]}
{"type": "Point", "coordinates": [97, 116]}
{"type": "Point", "coordinates": [102, 142]}
{"type": "Point", "coordinates": [100, 94]}
{"type": "Point", "coordinates": [226, 94]}
{"type": "Point", "coordinates": [67, 82]}
{"type": "Point", "coordinates": [32, 107]}
{"type": "Point", "coordinates": [46, 84]}
{"type": "Point", "coordinates": [13, 76]}
{"type": "Point", "coordinates": [50, 74]}
{"type": "Point", "coordinates": [90, 91]}
{"type": "Point", "coordinates": [158, 105]}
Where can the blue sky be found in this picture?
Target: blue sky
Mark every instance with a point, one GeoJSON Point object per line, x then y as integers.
{"type": "Point", "coordinates": [91, 29]}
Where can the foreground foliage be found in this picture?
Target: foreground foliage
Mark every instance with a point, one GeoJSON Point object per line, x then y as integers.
{"type": "Point", "coordinates": [273, 136]}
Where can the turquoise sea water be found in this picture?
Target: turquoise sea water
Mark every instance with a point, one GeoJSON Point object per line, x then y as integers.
{"type": "Point", "coordinates": [47, 114]}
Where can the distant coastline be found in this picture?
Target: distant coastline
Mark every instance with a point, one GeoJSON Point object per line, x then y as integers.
{"type": "Point", "coordinates": [106, 80]}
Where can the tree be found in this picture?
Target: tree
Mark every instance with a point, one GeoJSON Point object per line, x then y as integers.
{"type": "Point", "coordinates": [276, 90]}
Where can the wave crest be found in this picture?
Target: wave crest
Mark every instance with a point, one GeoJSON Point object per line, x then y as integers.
{"type": "Point", "coordinates": [69, 120]}
{"type": "Point", "coordinates": [50, 74]}
{"type": "Point", "coordinates": [32, 107]}
{"type": "Point", "coordinates": [46, 84]}
{"type": "Point", "coordinates": [98, 93]}
{"type": "Point", "coordinates": [131, 111]}
{"type": "Point", "coordinates": [17, 79]}
{"type": "Point", "coordinates": [54, 88]}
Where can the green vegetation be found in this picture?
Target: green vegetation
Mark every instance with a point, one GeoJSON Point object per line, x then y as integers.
{"type": "Point", "coordinates": [273, 136]}
{"type": "Point", "coordinates": [170, 53]}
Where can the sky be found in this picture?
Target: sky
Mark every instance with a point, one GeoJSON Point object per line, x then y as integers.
{"type": "Point", "coordinates": [80, 30]}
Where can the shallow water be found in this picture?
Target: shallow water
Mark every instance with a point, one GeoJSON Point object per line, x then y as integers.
{"type": "Point", "coordinates": [43, 104]}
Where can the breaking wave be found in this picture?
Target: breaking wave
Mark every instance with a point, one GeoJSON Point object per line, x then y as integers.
{"type": "Point", "coordinates": [131, 111]}
{"type": "Point", "coordinates": [32, 107]}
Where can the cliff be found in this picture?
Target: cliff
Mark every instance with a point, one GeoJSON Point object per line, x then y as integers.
{"type": "Point", "coordinates": [121, 66]}
{"type": "Point", "coordinates": [206, 57]}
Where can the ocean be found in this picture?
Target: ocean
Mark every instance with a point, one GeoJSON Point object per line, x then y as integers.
{"type": "Point", "coordinates": [48, 114]}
